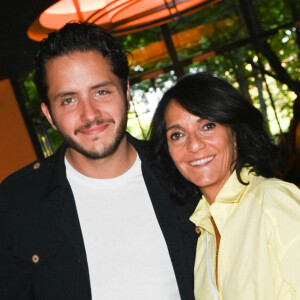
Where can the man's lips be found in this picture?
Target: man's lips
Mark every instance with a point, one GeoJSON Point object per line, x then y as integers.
{"type": "Point", "coordinates": [94, 129]}
{"type": "Point", "coordinates": [97, 126]}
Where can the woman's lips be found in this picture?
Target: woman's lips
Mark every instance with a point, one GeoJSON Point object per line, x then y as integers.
{"type": "Point", "coordinates": [202, 161]}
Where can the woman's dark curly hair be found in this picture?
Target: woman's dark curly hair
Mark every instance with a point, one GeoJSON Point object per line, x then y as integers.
{"type": "Point", "coordinates": [214, 99]}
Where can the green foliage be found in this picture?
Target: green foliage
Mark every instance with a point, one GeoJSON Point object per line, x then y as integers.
{"type": "Point", "coordinates": [273, 13]}
{"type": "Point", "coordinates": [235, 59]}
{"type": "Point", "coordinates": [51, 139]}
{"type": "Point", "coordinates": [140, 39]}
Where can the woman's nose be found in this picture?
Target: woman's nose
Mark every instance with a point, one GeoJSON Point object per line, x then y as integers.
{"type": "Point", "coordinates": [195, 143]}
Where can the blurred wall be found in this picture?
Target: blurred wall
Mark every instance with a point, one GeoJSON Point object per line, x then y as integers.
{"type": "Point", "coordinates": [16, 149]}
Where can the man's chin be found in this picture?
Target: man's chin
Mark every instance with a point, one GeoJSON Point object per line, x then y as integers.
{"type": "Point", "coordinates": [98, 151]}
{"type": "Point", "coordinates": [102, 152]}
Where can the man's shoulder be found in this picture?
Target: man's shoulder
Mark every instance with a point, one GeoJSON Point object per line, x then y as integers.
{"type": "Point", "coordinates": [33, 169]}
{"type": "Point", "coordinates": [37, 168]}
{"type": "Point", "coordinates": [30, 180]}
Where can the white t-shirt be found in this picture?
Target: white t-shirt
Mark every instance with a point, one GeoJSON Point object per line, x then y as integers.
{"type": "Point", "coordinates": [126, 251]}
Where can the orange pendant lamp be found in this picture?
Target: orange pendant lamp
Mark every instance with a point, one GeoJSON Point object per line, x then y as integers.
{"type": "Point", "coordinates": [120, 17]}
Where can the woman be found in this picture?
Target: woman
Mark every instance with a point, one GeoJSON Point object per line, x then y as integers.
{"type": "Point", "coordinates": [249, 222]}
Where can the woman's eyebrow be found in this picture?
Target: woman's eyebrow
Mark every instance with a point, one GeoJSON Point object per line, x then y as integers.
{"type": "Point", "coordinates": [175, 126]}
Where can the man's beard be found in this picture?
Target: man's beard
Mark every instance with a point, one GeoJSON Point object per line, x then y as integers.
{"type": "Point", "coordinates": [109, 150]}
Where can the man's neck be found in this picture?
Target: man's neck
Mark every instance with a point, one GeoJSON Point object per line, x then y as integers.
{"type": "Point", "coordinates": [108, 167]}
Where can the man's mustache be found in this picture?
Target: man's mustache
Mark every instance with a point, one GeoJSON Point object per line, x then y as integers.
{"type": "Point", "coordinates": [88, 125]}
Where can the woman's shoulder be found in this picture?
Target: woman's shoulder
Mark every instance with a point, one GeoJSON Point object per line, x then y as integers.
{"type": "Point", "coordinates": [274, 194]}
{"type": "Point", "coordinates": [278, 203]}
{"type": "Point", "coordinates": [274, 184]}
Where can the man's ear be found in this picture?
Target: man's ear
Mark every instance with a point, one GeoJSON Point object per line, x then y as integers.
{"type": "Point", "coordinates": [47, 114]}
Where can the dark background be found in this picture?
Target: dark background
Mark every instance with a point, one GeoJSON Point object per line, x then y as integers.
{"type": "Point", "coordinates": [16, 49]}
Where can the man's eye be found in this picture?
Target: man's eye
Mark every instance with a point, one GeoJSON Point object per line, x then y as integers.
{"type": "Point", "coordinates": [67, 101]}
{"type": "Point", "coordinates": [176, 136]}
{"type": "Point", "coordinates": [101, 92]}
{"type": "Point", "coordinates": [209, 126]}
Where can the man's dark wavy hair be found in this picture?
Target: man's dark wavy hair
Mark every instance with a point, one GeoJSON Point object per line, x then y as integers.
{"type": "Point", "coordinates": [79, 37]}
{"type": "Point", "coordinates": [214, 99]}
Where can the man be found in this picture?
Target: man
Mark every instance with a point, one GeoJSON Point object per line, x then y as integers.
{"type": "Point", "coordinates": [91, 221]}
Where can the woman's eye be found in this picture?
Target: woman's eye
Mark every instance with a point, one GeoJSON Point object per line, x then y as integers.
{"type": "Point", "coordinates": [209, 126]}
{"type": "Point", "coordinates": [175, 136]}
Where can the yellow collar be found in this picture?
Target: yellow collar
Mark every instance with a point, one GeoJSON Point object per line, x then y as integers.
{"type": "Point", "coordinates": [231, 192]}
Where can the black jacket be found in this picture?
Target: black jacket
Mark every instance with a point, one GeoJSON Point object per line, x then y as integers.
{"type": "Point", "coordinates": [42, 254]}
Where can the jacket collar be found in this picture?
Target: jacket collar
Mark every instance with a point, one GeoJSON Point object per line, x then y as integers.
{"type": "Point", "coordinates": [57, 171]}
{"type": "Point", "coordinates": [139, 145]}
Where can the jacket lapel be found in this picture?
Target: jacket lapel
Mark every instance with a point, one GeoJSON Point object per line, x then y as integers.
{"type": "Point", "coordinates": [59, 188]}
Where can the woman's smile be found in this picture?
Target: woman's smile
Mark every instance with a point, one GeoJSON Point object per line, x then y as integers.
{"type": "Point", "coordinates": [203, 151]}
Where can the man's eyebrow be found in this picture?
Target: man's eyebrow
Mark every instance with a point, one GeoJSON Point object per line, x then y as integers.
{"type": "Point", "coordinates": [64, 94]}
{"type": "Point", "coordinates": [71, 93]}
{"type": "Point", "coordinates": [102, 84]}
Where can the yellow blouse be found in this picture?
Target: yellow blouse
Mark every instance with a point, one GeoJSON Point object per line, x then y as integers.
{"type": "Point", "coordinates": [259, 252]}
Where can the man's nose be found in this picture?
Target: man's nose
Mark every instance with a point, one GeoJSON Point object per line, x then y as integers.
{"type": "Point", "coordinates": [89, 110]}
